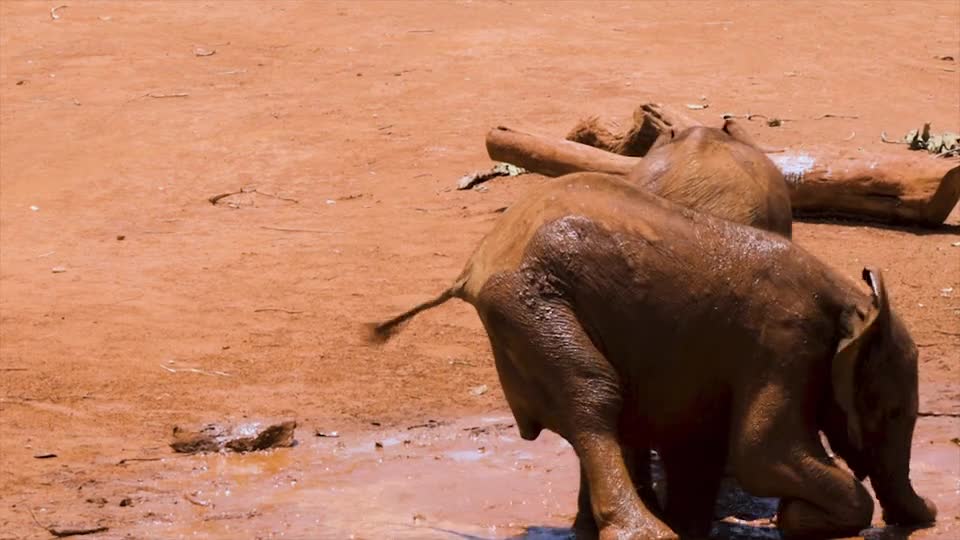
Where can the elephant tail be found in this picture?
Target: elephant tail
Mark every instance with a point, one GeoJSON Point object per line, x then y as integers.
{"type": "Point", "coordinates": [381, 332]}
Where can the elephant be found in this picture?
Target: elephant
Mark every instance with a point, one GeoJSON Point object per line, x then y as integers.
{"type": "Point", "coordinates": [623, 322]}
{"type": "Point", "coordinates": [721, 172]}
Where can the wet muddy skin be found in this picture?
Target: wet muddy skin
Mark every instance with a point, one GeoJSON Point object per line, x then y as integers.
{"type": "Point", "coordinates": [470, 478]}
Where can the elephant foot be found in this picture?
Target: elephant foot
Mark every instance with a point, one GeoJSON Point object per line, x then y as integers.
{"type": "Point", "coordinates": [917, 512]}
{"type": "Point", "coordinates": [585, 527]}
{"type": "Point", "coordinates": [646, 531]}
{"type": "Point", "coordinates": [797, 518]}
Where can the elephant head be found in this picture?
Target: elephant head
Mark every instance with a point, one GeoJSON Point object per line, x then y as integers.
{"type": "Point", "coordinates": [874, 376]}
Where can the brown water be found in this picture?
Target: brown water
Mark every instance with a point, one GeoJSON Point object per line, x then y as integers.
{"type": "Point", "coordinates": [470, 478]}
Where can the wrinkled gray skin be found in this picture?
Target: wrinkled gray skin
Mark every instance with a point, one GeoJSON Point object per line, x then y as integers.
{"type": "Point", "coordinates": [623, 322]}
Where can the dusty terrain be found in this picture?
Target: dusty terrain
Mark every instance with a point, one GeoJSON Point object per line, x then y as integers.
{"type": "Point", "coordinates": [115, 132]}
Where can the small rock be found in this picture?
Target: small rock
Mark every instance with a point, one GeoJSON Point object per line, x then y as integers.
{"type": "Point", "coordinates": [331, 201]}
{"type": "Point", "coordinates": [378, 445]}
{"type": "Point", "coordinates": [200, 51]}
{"type": "Point", "coordinates": [126, 501]}
{"type": "Point", "coordinates": [244, 438]}
{"type": "Point", "coordinates": [45, 456]}
{"type": "Point", "coordinates": [417, 518]}
{"type": "Point", "coordinates": [34, 207]}
{"type": "Point", "coordinates": [479, 390]}
{"type": "Point", "coordinates": [955, 244]}
{"type": "Point", "coordinates": [329, 434]}
{"type": "Point", "coordinates": [945, 292]}
{"type": "Point", "coordinates": [58, 269]}
{"type": "Point", "coordinates": [275, 436]}
{"type": "Point", "coordinates": [99, 501]}
{"type": "Point", "coordinates": [120, 237]}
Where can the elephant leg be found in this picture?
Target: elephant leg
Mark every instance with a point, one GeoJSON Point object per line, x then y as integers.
{"type": "Point", "coordinates": [637, 461]}
{"type": "Point", "coordinates": [575, 392]}
{"type": "Point", "coordinates": [823, 499]}
{"type": "Point", "coordinates": [773, 458]}
{"type": "Point", "coordinates": [584, 526]}
{"type": "Point", "coordinates": [694, 473]}
{"type": "Point", "coordinates": [617, 508]}
{"type": "Point", "coordinates": [588, 410]}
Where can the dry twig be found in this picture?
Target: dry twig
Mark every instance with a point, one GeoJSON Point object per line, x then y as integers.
{"type": "Point", "coordinates": [883, 138]}
{"type": "Point", "coordinates": [195, 370]}
{"type": "Point", "coordinates": [193, 500]}
{"type": "Point", "coordinates": [53, 12]}
{"type": "Point", "coordinates": [63, 533]}
{"type": "Point", "coordinates": [216, 198]}
{"type": "Point", "coordinates": [771, 122]}
{"type": "Point", "coordinates": [284, 229]}
{"type": "Point", "coordinates": [124, 461]}
{"type": "Point", "coordinates": [929, 414]}
{"type": "Point", "coordinates": [831, 115]}
{"type": "Point", "coordinates": [160, 96]}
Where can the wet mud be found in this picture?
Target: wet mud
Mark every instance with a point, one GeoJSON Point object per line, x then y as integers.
{"type": "Point", "coordinates": [471, 478]}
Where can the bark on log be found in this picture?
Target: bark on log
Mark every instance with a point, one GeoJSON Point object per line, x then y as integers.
{"type": "Point", "coordinates": [895, 188]}
{"type": "Point", "coordinates": [652, 125]}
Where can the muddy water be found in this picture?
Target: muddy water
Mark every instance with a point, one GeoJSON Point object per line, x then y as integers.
{"type": "Point", "coordinates": [469, 478]}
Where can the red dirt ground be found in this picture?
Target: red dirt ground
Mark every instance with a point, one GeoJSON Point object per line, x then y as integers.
{"type": "Point", "coordinates": [366, 114]}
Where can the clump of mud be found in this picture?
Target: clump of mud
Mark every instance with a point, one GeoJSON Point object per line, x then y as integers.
{"type": "Point", "coordinates": [249, 437]}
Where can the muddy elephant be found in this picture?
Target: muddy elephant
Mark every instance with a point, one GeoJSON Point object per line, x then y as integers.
{"type": "Point", "coordinates": [721, 172]}
{"type": "Point", "coordinates": [624, 322]}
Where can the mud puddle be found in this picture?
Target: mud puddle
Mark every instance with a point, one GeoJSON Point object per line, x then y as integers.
{"type": "Point", "coordinates": [470, 478]}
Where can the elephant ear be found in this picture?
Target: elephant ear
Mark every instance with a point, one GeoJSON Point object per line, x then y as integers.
{"type": "Point", "coordinates": [861, 329]}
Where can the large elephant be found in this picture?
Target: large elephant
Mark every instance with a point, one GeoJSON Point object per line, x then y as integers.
{"type": "Point", "coordinates": [721, 172]}
{"type": "Point", "coordinates": [624, 322]}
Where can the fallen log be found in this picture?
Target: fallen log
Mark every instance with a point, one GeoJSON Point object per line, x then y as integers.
{"type": "Point", "coordinates": [905, 188]}
{"type": "Point", "coordinates": [908, 188]}
{"type": "Point", "coordinates": [552, 157]}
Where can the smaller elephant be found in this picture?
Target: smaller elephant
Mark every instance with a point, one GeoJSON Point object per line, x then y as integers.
{"type": "Point", "coordinates": [624, 322]}
{"type": "Point", "coordinates": [720, 172]}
